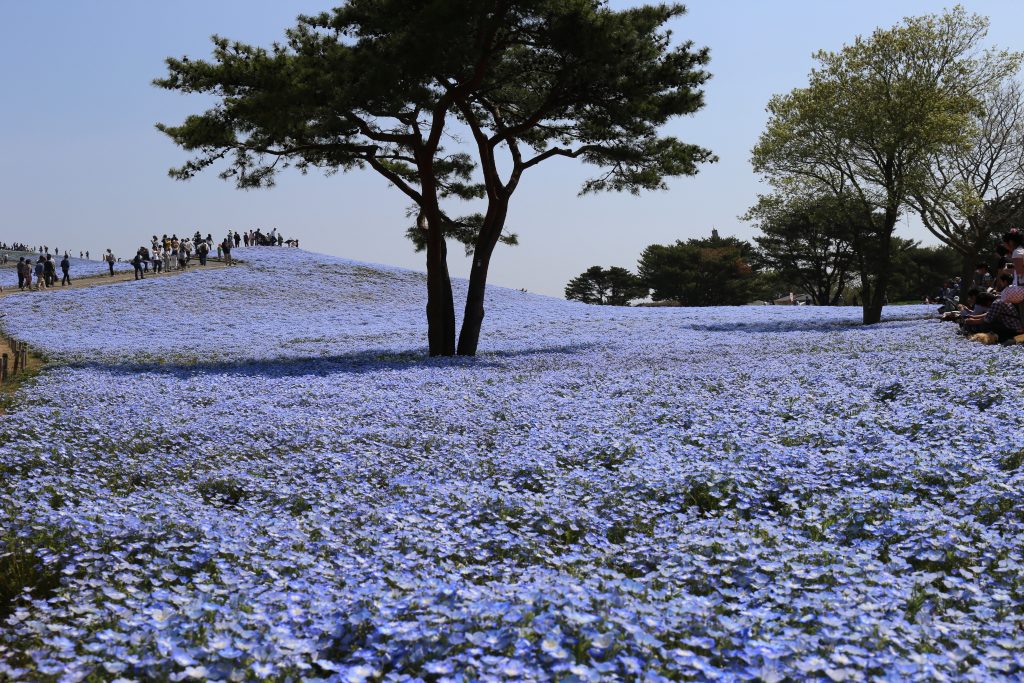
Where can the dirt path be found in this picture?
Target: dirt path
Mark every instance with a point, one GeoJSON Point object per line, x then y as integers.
{"type": "Point", "coordinates": [119, 276]}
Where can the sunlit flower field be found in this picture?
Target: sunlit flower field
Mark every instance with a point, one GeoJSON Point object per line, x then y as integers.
{"type": "Point", "coordinates": [255, 473]}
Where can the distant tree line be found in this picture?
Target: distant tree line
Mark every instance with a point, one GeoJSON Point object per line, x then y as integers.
{"type": "Point", "coordinates": [728, 271]}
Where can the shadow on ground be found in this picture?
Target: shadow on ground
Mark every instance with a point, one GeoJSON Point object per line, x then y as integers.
{"type": "Point", "coordinates": [779, 326]}
{"type": "Point", "coordinates": [351, 363]}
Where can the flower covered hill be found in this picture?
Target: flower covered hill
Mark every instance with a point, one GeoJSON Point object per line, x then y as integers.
{"type": "Point", "coordinates": [275, 483]}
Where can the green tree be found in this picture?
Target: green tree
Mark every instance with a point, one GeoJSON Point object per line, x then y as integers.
{"type": "Point", "coordinates": [806, 241]}
{"type": "Point", "coordinates": [973, 192]}
{"type": "Point", "coordinates": [381, 84]}
{"type": "Point", "coordinates": [872, 118]}
{"type": "Point", "coordinates": [919, 271]}
{"type": "Point", "coordinates": [715, 271]}
{"type": "Point", "coordinates": [613, 286]}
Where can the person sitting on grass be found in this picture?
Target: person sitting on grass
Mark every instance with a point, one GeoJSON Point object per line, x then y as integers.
{"type": "Point", "coordinates": [999, 285]}
{"type": "Point", "coordinates": [970, 306]}
{"type": "Point", "coordinates": [982, 302]}
{"type": "Point", "coordinates": [982, 277]}
{"type": "Point", "coordinates": [1001, 319]}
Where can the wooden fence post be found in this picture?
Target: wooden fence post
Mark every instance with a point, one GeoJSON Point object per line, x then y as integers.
{"type": "Point", "coordinates": [3, 369]}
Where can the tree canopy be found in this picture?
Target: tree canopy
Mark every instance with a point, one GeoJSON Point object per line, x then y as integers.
{"type": "Point", "coordinates": [389, 84]}
{"type": "Point", "coordinates": [715, 271]}
{"type": "Point", "coordinates": [613, 286]}
{"type": "Point", "coordinates": [872, 118]}
{"type": "Point", "coordinates": [973, 191]}
{"type": "Point", "coordinates": [806, 241]}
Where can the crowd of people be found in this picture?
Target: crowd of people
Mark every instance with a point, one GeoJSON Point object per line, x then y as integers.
{"type": "Point", "coordinates": [257, 238]}
{"type": "Point", "coordinates": [169, 253]}
{"type": "Point", "coordinates": [990, 309]}
{"type": "Point", "coordinates": [248, 238]}
{"type": "Point", "coordinates": [42, 273]}
{"type": "Point", "coordinates": [165, 253]}
{"type": "Point", "coordinates": [43, 251]}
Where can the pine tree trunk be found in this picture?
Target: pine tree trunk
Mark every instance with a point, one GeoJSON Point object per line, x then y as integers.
{"type": "Point", "coordinates": [440, 305]}
{"type": "Point", "coordinates": [473, 317]}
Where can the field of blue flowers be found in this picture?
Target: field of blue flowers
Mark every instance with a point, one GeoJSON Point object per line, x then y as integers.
{"type": "Point", "coordinates": [255, 473]}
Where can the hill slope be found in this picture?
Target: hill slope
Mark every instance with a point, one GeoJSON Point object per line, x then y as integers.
{"type": "Point", "coordinates": [256, 473]}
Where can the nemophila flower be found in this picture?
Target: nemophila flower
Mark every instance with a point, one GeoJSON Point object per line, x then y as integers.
{"type": "Point", "coordinates": [283, 486]}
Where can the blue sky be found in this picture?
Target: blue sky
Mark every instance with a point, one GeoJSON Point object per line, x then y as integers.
{"type": "Point", "coordinates": [83, 168]}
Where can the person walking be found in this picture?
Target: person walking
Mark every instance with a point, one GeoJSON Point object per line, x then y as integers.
{"type": "Point", "coordinates": [137, 264]}
{"type": "Point", "coordinates": [50, 271]}
{"type": "Point", "coordinates": [183, 255]}
{"type": "Point", "coordinates": [21, 273]}
{"type": "Point", "coordinates": [28, 274]}
{"type": "Point", "coordinates": [202, 250]}
{"type": "Point", "coordinates": [40, 271]}
{"type": "Point", "coordinates": [226, 248]}
{"type": "Point", "coordinates": [65, 268]}
{"type": "Point", "coordinates": [238, 239]}
{"type": "Point", "coordinates": [109, 258]}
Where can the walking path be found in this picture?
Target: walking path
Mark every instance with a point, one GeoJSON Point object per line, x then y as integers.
{"type": "Point", "coordinates": [119, 276]}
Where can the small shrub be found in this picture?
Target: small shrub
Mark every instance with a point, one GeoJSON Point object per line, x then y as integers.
{"type": "Point", "coordinates": [22, 570]}
{"type": "Point", "coordinates": [221, 490]}
{"type": "Point", "coordinates": [1011, 462]}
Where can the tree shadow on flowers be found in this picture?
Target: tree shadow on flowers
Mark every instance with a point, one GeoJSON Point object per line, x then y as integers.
{"type": "Point", "coordinates": [783, 326]}
{"type": "Point", "coordinates": [349, 363]}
